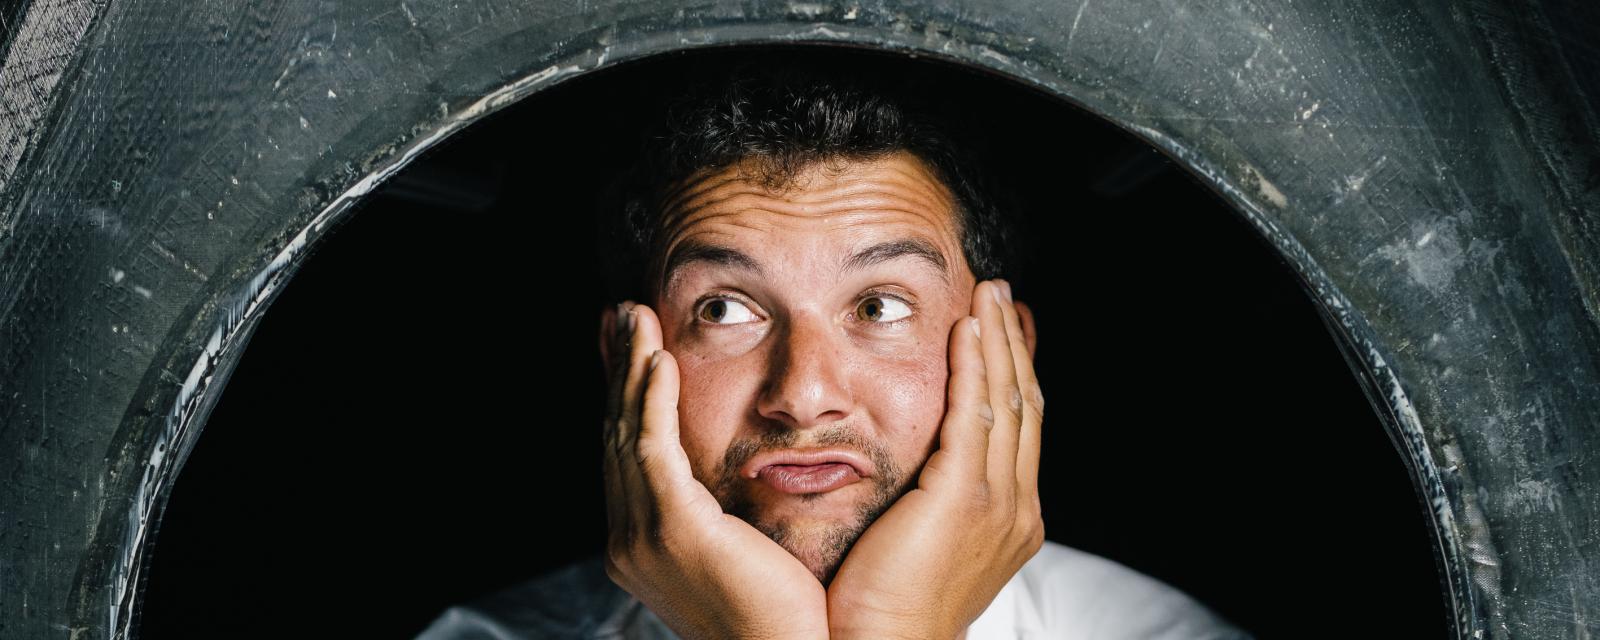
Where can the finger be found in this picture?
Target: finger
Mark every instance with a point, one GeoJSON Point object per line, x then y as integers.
{"type": "Point", "coordinates": [661, 455]}
{"type": "Point", "coordinates": [1028, 436]}
{"type": "Point", "coordinates": [639, 507]}
{"type": "Point", "coordinates": [620, 485]}
{"type": "Point", "coordinates": [964, 435]}
{"type": "Point", "coordinates": [617, 369]}
{"type": "Point", "coordinates": [662, 464]}
{"type": "Point", "coordinates": [617, 498]}
{"type": "Point", "coordinates": [1004, 398]}
{"type": "Point", "coordinates": [636, 350]}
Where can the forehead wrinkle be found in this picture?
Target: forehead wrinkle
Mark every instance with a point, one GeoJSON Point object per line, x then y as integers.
{"type": "Point", "coordinates": [693, 249]}
{"type": "Point", "coordinates": [861, 198]}
{"type": "Point", "coordinates": [690, 248]}
{"type": "Point", "coordinates": [916, 185]}
{"type": "Point", "coordinates": [910, 188]}
{"type": "Point", "coordinates": [686, 198]}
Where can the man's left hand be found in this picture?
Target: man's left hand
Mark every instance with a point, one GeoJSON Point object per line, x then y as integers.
{"type": "Point", "coordinates": [932, 563]}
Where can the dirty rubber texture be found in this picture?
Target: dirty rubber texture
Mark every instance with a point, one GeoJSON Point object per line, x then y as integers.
{"type": "Point", "coordinates": [1428, 169]}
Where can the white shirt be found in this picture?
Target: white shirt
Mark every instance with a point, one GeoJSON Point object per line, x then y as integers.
{"type": "Point", "coordinates": [1061, 593]}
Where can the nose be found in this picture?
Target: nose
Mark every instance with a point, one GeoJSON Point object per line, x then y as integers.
{"type": "Point", "coordinates": [806, 382]}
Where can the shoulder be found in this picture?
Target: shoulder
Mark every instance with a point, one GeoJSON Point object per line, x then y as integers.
{"type": "Point", "coordinates": [575, 601]}
{"type": "Point", "coordinates": [1076, 593]}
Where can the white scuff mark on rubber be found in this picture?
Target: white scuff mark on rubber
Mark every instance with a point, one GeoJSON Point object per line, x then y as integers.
{"type": "Point", "coordinates": [1265, 188]}
{"type": "Point", "coordinates": [279, 82]}
{"type": "Point", "coordinates": [117, 275]}
{"type": "Point", "coordinates": [331, 94]}
{"type": "Point", "coordinates": [807, 9]}
{"type": "Point", "coordinates": [823, 30]}
{"type": "Point", "coordinates": [1306, 115]}
{"type": "Point", "coordinates": [410, 17]}
{"type": "Point", "coordinates": [1433, 259]}
{"type": "Point", "coordinates": [991, 54]}
{"type": "Point", "coordinates": [1075, 20]}
{"type": "Point", "coordinates": [1529, 496]}
{"type": "Point", "coordinates": [141, 291]}
{"type": "Point", "coordinates": [1356, 181]}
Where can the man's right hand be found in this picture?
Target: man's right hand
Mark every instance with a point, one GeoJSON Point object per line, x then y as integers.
{"type": "Point", "coordinates": [705, 573]}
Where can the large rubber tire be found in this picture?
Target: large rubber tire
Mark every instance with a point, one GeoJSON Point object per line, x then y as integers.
{"type": "Point", "coordinates": [165, 168]}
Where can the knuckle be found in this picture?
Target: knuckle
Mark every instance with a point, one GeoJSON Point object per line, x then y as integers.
{"type": "Point", "coordinates": [618, 565]}
{"type": "Point", "coordinates": [1036, 537]}
{"type": "Point", "coordinates": [1014, 398]}
{"type": "Point", "coordinates": [985, 413]}
{"type": "Point", "coordinates": [1036, 396]}
{"type": "Point", "coordinates": [979, 497]}
{"type": "Point", "coordinates": [649, 459]}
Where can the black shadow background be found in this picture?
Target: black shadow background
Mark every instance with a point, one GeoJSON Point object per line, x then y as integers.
{"type": "Point", "coordinates": [416, 422]}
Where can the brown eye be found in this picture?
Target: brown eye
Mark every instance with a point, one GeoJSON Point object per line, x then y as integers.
{"type": "Point", "coordinates": [882, 309]}
{"type": "Point", "coordinates": [718, 310]}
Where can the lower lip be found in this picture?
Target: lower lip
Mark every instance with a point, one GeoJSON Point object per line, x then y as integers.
{"type": "Point", "coordinates": [814, 478]}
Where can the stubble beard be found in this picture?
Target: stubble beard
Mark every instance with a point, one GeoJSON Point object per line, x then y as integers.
{"type": "Point", "coordinates": [820, 545]}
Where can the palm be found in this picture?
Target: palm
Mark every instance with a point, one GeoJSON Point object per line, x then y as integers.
{"type": "Point", "coordinates": [891, 551]}
{"type": "Point", "coordinates": [763, 565]}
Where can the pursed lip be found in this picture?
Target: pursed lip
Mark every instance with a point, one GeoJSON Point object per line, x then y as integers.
{"type": "Point", "coordinates": [855, 459]}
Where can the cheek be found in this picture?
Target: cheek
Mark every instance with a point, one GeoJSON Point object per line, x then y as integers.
{"type": "Point", "coordinates": [911, 395]}
{"type": "Point", "coordinates": [708, 410]}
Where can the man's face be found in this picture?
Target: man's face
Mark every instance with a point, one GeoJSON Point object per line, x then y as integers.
{"type": "Point", "coordinates": [795, 327]}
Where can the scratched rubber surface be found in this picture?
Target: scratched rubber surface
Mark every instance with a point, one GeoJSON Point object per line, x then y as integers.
{"type": "Point", "coordinates": [1428, 168]}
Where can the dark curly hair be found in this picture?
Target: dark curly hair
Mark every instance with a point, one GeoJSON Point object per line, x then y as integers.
{"type": "Point", "coordinates": [785, 112]}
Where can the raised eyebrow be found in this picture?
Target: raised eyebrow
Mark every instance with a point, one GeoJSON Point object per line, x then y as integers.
{"type": "Point", "coordinates": [692, 251]}
{"type": "Point", "coordinates": [886, 251]}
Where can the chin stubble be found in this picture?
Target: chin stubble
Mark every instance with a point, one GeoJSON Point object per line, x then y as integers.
{"type": "Point", "coordinates": [834, 541]}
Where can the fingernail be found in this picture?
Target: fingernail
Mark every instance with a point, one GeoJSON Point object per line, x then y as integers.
{"type": "Point", "coordinates": [1007, 285]}
{"type": "Point", "coordinates": [999, 293]}
{"type": "Point", "coordinates": [975, 330]}
{"type": "Point", "coordinates": [631, 320]}
{"type": "Point", "coordinates": [654, 359]}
